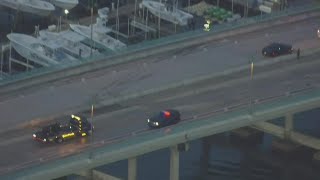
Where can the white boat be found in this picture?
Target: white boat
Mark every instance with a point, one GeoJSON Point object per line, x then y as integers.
{"type": "Point", "coordinates": [69, 41]}
{"type": "Point", "coordinates": [37, 7]}
{"type": "Point", "coordinates": [65, 4]}
{"type": "Point", "coordinates": [99, 36]}
{"type": "Point", "coordinates": [38, 51]}
{"type": "Point", "coordinates": [103, 13]}
{"type": "Point", "coordinates": [167, 13]}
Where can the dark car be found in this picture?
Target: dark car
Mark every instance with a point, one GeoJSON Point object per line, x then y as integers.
{"type": "Point", "coordinates": [277, 49]}
{"type": "Point", "coordinates": [164, 118]}
{"type": "Point", "coordinates": [47, 133]}
{"type": "Point", "coordinates": [76, 127]}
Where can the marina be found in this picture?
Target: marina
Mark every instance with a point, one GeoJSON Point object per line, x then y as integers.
{"type": "Point", "coordinates": [69, 28]}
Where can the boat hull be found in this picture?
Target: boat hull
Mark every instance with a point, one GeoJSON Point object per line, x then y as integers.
{"type": "Point", "coordinates": [37, 11]}
{"type": "Point", "coordinates": [99, 38]}
{"type": "Point", "coordinates": [26, 53]}
{"type": "Point", "coordinates": [65, 4]}
{"type": "Point", "coordinates": [40, 8]}
{"type": "Point", "coordinates": [72, 47]}
{"type": "Point", "coordinates": [175, 16]}
{"type": "Point", "coordinates": [37, 51]}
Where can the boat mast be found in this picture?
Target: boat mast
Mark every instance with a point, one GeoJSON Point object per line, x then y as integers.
{"type": "Point", "coordinates": [175, 5]}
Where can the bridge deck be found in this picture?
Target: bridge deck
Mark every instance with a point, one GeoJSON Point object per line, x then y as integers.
{"type": "Point", "coordinates": [135, 145]}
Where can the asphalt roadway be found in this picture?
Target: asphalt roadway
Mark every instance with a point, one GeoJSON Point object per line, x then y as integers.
{"type": "Point", "coordinates": [40, 102]}
{"type": "Point", "coordinates": [36, 103]}
{"type": "Point", "coordinates": [129, 118]}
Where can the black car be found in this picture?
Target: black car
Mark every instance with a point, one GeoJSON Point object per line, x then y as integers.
{"type": "Point", "coordinates": [277, 49]}
{"type": "Point", "coordinates": [48, 133]}
{"type": "Point", "coordinates": [164, 118]}
{"type": "Point", "coordinates": [76, 127]}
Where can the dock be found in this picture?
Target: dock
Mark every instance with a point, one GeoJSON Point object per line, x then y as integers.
{"type": "Point", "coordinates": [5, 47]}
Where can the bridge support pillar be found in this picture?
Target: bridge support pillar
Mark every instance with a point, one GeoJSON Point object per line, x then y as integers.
{"type": "Point", "coordinates": [174, 163]}
{"type": "Point", "coordinates": [288, 126]}
{"type": "Point", "coordinates": [132, 168]}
